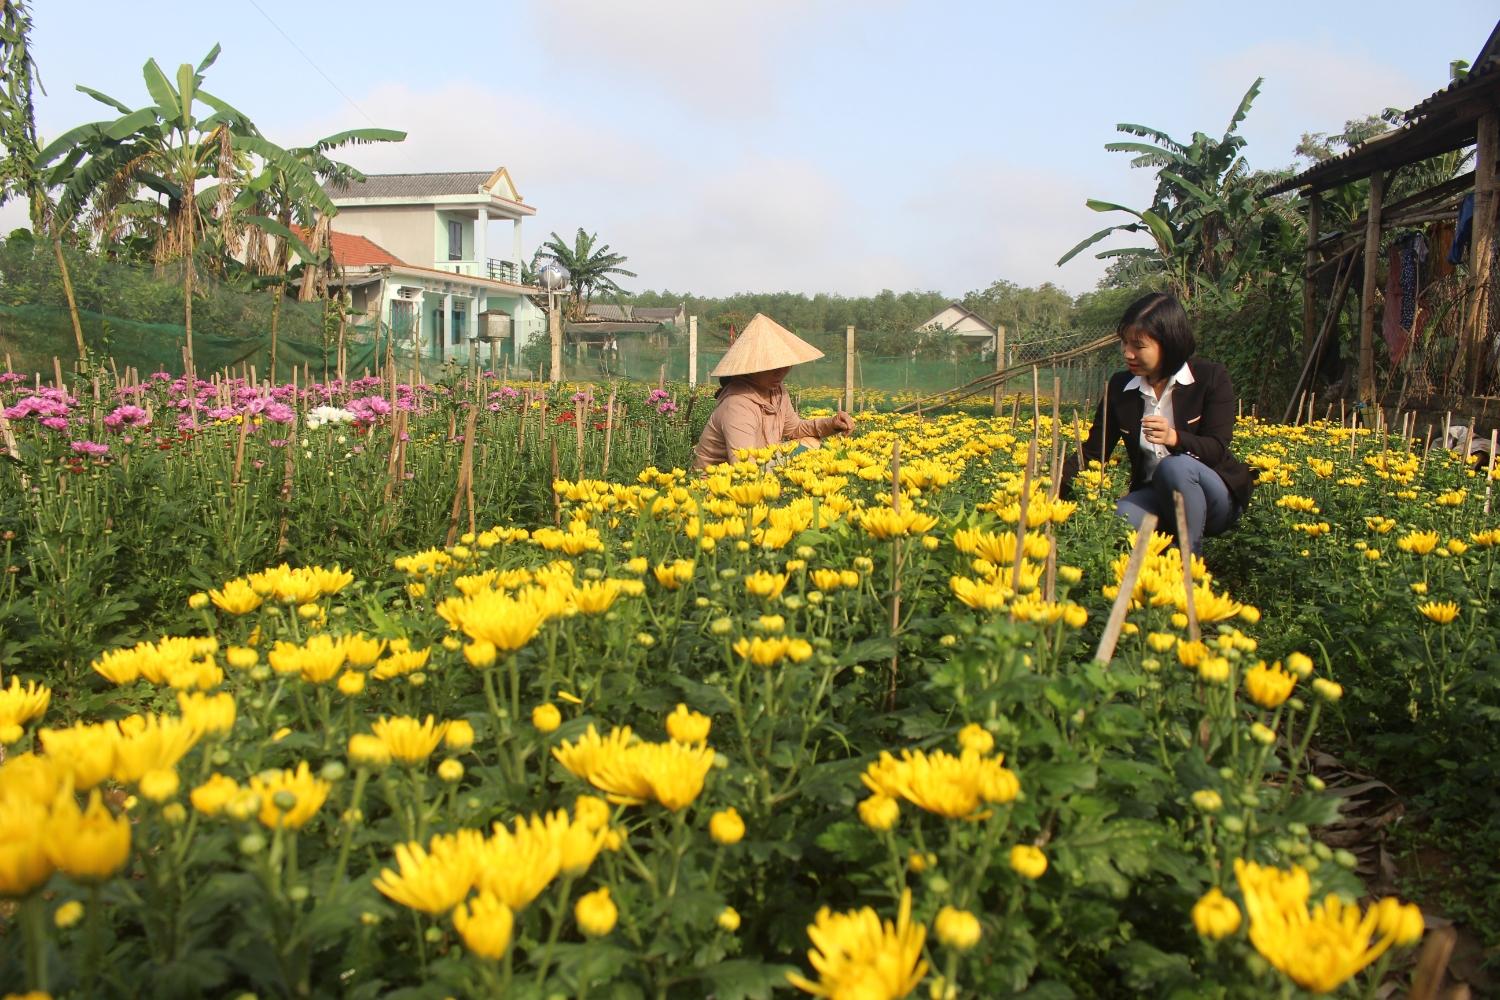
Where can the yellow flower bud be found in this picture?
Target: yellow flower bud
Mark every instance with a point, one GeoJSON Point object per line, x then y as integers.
{"type": "Point", "coordinates": [1215, 916]}
{"type": "Point", "coordinates": [596, 913]}
{"type": "Point", "coordinates": [545, 717]}
{"type": "Point", "coordinates": [1028, 861]}
{"type": "Point", "coordinates": [958, 929]}
{"type": "Point", "coordinates": [726, 827]}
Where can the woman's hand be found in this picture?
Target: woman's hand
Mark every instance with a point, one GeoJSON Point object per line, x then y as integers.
{"type": "Point", "coordinates": [1158, 431]}
{"type": "Point", "coordinates": [843, 423]}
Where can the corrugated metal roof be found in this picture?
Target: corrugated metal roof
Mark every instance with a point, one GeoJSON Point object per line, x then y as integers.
{"type": "Point", "coordinates": [411, 185]}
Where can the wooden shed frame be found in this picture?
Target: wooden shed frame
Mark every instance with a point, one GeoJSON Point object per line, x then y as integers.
{"type": "Point", "coordinates": [1463, 114]}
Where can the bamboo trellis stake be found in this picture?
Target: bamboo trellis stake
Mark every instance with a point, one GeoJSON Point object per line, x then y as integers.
{"type": "Point", "coordinates": [1489, 478]}
{"type": "Point", "coordinates": [464, 489]}
{"type": "Point", "coordinates": [1015, 566]}
{"type": "Point", "coordinates": [552, 486]}
{"type": "Point", "coordinates": [1106, 650]}
{"type": "Point", "coordinates": [609, 433]}
{"type": "Point", "coordinates": [286, 480]}
{"type": "Point", "coordinates": [896, 554]}
{"type": "Point", "coordinates": [1187, 566]}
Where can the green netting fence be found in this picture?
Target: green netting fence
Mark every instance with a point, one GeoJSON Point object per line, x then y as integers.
{"type": "Point", "coordinates": [878, 378]}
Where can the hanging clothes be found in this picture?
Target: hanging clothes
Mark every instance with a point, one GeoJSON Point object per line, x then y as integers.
{"type": "Point", "coordinates": [1413, 250]}
{"type": "Point", "coordinates": [1399, 320]}
{"type": "Point", "coordinates": [1461, 233]}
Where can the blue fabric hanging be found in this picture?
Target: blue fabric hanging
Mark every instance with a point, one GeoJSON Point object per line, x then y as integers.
{"type": "Point", "coordinates": [1461, 234]}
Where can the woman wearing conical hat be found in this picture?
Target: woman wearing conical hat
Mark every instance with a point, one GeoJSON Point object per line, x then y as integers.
{"type": "Point", "coordinates": [754, 410]}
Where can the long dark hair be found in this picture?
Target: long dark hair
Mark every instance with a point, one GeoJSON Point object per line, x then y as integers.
{"type": "Point", "coordinates": [1161, 317]}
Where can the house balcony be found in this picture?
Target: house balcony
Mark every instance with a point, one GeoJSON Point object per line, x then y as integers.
{"type": "Point", "coordinates": [490, 267]}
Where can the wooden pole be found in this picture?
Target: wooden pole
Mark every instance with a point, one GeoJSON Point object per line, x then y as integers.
{"type": "Point", "coordinates": [609, 433]}
{"type": "Point", "coordinates": [1015, 565]}
{"type": "Point", "coordinates": [461, 490]}
{"type": "Point", "coordinates": [1309, 285]}
{"type": "Point", "coordinates": [848, 369]}
{"type": "Point", "coordinates": [1187, 566]}
{"type": "Point", "coordinates": [692, 351]}
{"type": "Point", "coordinates": [1106, 650]}
{"type": "Point", "coordinates": [1489, 476]}
{"type": "Point", "coordinates": [896, 557]}
{"type": "Point", "coordinates": [554, 331]}
{"type": "Point", "coordinates": [1482, 250]}
{"type": "Point", "coordinates": [999, 392]}
{"type": "Point", "coordinates": [1367, 290]}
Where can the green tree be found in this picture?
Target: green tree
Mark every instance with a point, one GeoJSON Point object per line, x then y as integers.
{"type": "Point", "coordinates": [592, 266]}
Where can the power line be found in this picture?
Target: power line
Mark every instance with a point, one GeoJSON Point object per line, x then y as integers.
{"type": "Point", "coordinates": [292, 42]}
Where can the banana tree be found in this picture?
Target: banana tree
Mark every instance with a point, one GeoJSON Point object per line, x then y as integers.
{"type": "Point", "coordinates": [1203, 208]}
{"type": "Point", "coordinates": [592, 268]}
{"type": "Point", "coordinates": [284, 209]}
{"type": "Point", "coordinates": [165, 147]}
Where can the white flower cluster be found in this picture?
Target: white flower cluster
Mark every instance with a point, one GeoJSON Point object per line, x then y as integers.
{"type": "Point", "coordinates": [320, 415]}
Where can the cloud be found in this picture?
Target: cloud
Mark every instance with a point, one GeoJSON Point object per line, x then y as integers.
{"type": "Point", "coordinates": [1309, 87]}
{"type": "Point", "coordinates": [720, 58]}
{"type": "Point", "coordinates": [977, 222]}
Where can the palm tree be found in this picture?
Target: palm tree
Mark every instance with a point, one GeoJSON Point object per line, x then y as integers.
{"type": "Point", "coordinates": [19, 171]}
{"type": "Point", "coordinates": [592, 269]}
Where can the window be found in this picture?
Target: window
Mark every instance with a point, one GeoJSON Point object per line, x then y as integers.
{"type": "Point", "coordinates": [455, 240]}
{"type": "Point", "coordinates": [457, 337]}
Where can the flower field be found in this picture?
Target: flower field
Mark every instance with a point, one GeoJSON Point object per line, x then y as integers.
{"type": "Point", "coordinates": [467, 689]}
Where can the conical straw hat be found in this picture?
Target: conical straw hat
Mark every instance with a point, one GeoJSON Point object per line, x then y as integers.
{"type": "Point", "coordinates": [765, 344]}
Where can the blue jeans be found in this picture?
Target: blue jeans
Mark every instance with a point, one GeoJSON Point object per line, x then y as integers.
{"type": "Point", "coordinates": [1206, 500]}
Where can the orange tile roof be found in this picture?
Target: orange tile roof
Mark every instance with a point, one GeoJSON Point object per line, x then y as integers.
{"type": "Point", "coordinates": [357, 251]}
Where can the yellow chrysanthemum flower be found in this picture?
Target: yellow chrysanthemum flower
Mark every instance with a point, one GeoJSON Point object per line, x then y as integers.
{"type": "Point", "coordinates": [856, 954]}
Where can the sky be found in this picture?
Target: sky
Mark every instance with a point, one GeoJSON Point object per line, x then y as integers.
{"type": "Point", "coordinates": [844, 146]}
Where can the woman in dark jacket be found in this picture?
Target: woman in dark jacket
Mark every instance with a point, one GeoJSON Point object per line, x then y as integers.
{"type": "Point", "coordinates": [1175, 413]}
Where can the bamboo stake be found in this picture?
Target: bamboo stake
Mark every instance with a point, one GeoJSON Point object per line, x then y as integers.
{"type": "Point", "coordinates": [609, 433]}
{"type": "Point", "coordinates": [578, 418]}
{"type": "Point", "coordinates": [1116, 622]}
{"type": "Point", "coordinates": [1015, 566]}
{"type": "Point", "coordinates": [896, 559]}
{"type": "Point", "coordinates": [1427, 448]}
{"type": "Point", "coordinates": [1056, 476]}
{"type": "Point", "coordinates": [1187, 566]}
{"type": "Point", "coordinates": [551, 486]}
{"type": "Point", "coordinates": [464, 489]}
{"type": "Point", "coordinates": [286, 481]}
{"type": "Point", "coordinates": [1051, 592]}
{"type": "Point", "coordinates": [1489, 478]}
{"type": "Point", "coordinates": [239, 451]}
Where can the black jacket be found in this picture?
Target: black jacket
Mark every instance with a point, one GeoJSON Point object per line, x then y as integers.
{"type": "Point", "coordinates": [1203, 413]}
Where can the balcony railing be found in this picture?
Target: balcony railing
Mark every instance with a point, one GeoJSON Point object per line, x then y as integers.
{"type": "Point", "coordinates": [499, 270]}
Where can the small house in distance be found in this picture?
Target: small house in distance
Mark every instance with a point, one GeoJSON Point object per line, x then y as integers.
{"type": "Point", "coordinates": [977, 333]}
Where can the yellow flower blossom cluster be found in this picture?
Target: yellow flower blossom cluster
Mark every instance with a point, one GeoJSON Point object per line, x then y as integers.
{"type": "Point", "coordinates": [506, 871]}
{"type": "Point", "coordinates": [856, 954]}
{"type": "Point", "coordinates": [630, 771]}
{"type": "Point", "coordinates": [768, 651]}
{"type": "Point", "coordinates": [938, 782]}
{"type": "Point", "coordinates": [1320, 948]}
{"type": "Point", "coordinates": [20, 704]}
{"type": "Point", "coordinates": [180, 662]}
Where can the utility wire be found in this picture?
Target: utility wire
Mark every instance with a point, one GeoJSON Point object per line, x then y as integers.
{"type": "Point", "coordinates": [292, 42]}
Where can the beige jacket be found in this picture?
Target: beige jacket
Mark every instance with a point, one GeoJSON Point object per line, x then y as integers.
{"type": "Point", "coordinates": [747, 418]}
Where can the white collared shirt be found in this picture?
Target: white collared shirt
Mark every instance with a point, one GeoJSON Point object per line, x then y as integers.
{"type": "Point", "coordinates": [1154, 407]}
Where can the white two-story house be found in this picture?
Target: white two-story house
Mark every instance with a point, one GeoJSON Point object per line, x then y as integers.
{"type": "Point", "coordinates": [430, 257]}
